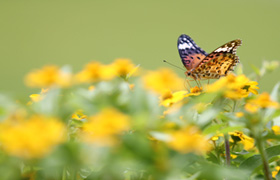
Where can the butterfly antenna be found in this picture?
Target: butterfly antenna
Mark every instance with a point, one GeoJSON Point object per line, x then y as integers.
{"type": "Point", "coordinates": [173, 65]}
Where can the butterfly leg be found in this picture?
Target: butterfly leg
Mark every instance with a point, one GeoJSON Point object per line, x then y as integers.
{"type": "Point", "coordinates": [208, 81]}
{"type": "Point", "coordinates": [198, 84]}
{"type": "Point", "coordinates": [188, 84]}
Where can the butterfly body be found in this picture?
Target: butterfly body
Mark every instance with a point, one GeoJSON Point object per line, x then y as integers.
{"type": "Point", "coordinates": [201, 65]}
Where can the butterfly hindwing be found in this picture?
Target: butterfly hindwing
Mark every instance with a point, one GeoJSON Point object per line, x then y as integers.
{"type": "Point", "coordinates": [190, 53]}
{"type": "Point", "coordinates": [218, 63]}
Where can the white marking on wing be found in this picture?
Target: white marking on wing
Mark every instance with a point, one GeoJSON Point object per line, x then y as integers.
{"type": "Point", "coordinates": [223, 49]}
{"type": "Point", "coordinates": [186, 45]}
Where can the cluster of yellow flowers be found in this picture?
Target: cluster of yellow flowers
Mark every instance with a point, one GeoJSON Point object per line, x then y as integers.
{"type": "Point", "coordinates": [186, 116]}
{"type": "Point", "coordinates": [102, 128]}
{"type": "Point", "coordinates": [189, 139]}
{"type": "Point", "coordinates": [94, 71]}
{"type": "Point", "coordinates": [234, 87]}
{"type": "Point", "coordinates": [32, 137]}
{"type": "Point", "coordinates": [262, 101]}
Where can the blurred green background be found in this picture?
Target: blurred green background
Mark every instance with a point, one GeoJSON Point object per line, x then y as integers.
{"type": "Point", "coordinates": [35, 33]}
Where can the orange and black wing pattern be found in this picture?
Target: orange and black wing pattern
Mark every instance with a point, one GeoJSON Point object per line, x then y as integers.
{"type": "Point", "coordinates": [218, 63]}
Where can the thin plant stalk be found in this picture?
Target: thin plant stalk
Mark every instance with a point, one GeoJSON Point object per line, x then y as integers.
{"type": "Point", "coordinates": [263, 154]}
{"type": "Point", "coordinates": [227, 149]}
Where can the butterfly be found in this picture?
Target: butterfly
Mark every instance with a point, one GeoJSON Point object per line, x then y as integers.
{"type": "Point", "coordinates": [201, 65]}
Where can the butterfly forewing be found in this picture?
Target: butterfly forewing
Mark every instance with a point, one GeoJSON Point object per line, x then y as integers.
{"type": "Point", "coordinates": [190, 53]}
{"type": "Point", "coordinates": [229, 47]}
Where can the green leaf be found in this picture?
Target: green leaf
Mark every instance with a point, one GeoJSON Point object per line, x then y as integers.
{"type": "Point", "coordinates": [232, 129]}
{"type": "Point", "coordinates": [274, 93]}
{"type": "Point", "coordinates": [213, 129]}
{"type": "Point", "coordinates": [213, 158]}
{"type": "Point", "coordinates": [274, 96]}
{"type": "Point", "coordinates": [255, 161]}
{"type": "Point", "coordinates": [256, 69]}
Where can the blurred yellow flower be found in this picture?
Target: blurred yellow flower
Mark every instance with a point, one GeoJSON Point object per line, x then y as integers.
{"type": "Point", "coordinates": [48, 76]}
{"type": "Point", "coordinates": [233, 156]}
{"type": "Point", "coordinates": [31, 138]}
{"type": "Point", "coordinates": [252, 108]}
{"type": "Point", "coordinates": [234, 87]}
{"type": "Point", "coordinates": [102, 128]}
{"type": "Point", "coordinates": [195, 91]}
{"type": "Point", "coordinates": [276, 129]}
{"type": "Point", "coordinates": [262, 101]}
{"type": "Point", "coordinates": [239, 114]}
{"type": "Point", "coordinates": [162, 81]}
{"type": "Point", "coordinates": [38, 97]}
{"type": "Point", "coordinates": [189, 140]}
{"type": "Point", "coordinates": [275, 172]}
{"type": "Point", "coordinates": [216, 137]}
{"type": "Point", "coordinates": [35, 97]}
{"type": "Point", "coordinates": [91, 88]}
{"type": "Point", "coordinates": [124, 67]}
{"type": "Point", "coordinates": [95, 71]}
{"type": "Point", "coordinates": [78, 115]}
{"type": "Point", "coordinates": [239, 136]}
{"type": "Point", "coordinates": [168, 99]}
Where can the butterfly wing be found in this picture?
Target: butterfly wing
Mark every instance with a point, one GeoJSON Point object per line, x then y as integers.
{"type": "Point", "coordinates": [191, 55]}
{"type": "Point", "coordinates": [218, 63]}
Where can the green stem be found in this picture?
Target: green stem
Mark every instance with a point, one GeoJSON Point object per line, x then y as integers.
{"type": "Point", "coordinates": [234, 106]}
{"type": "Point", "coordinates": [64, 174]}
{"type": "Point", "coordinates": [263, 154]}
{"type": "Point", "coordinates": [227, 149]}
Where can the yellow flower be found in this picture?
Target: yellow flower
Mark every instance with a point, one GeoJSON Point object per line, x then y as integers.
{"type": "Point", "coordinates": [195, 91]}
{"type": "Point", "coordinates": [95, 71]}
{"type": "Point", "coordinates": [234, 87]}
{"type": "Point", "coordinates": [48, 76]}
{"type": "Point", "coordinates": [169, 99]}
{"type": "Point", "coordinates": [239, 114]}
{"type": "Point", "coordinates": [102, 128]}
{"type": "Point", "coordinates": [252, 108]}
{"type": "Point", "coordinates": [124, 67]}
{"type": "Point", "coordinates": [35, 97]}
{"type": "Point", "coordinates": [162, 81]}
{"type": "Point", "coordinates": [91, 88]}
{"type": "Point", "coordinates": [275, 172]}
{"type": "Point", "coordinates": [131, 86]}
{"type": "Point", "coordinates": [262, 101]}
{"type": "Point", "coordinates": [216, 137]}
{"type": "Point", "coordinates": [247, 141]}
{"type": "Point", "coordinates": [276, 129]}
{"type": "Point", "coordinates": [38, 97]}
{"type": "Point", "coordinates": [189, 140]}
{"type": "Point", "coordinates": [233, 156]}
{"type": "Point", "coordinates": [78, 115]}
{"type": "Point", "coordinates": [31, 138]}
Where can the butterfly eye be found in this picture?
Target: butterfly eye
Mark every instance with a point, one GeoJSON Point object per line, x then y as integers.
{"type": "Point", "coordinates": [188, 73]}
